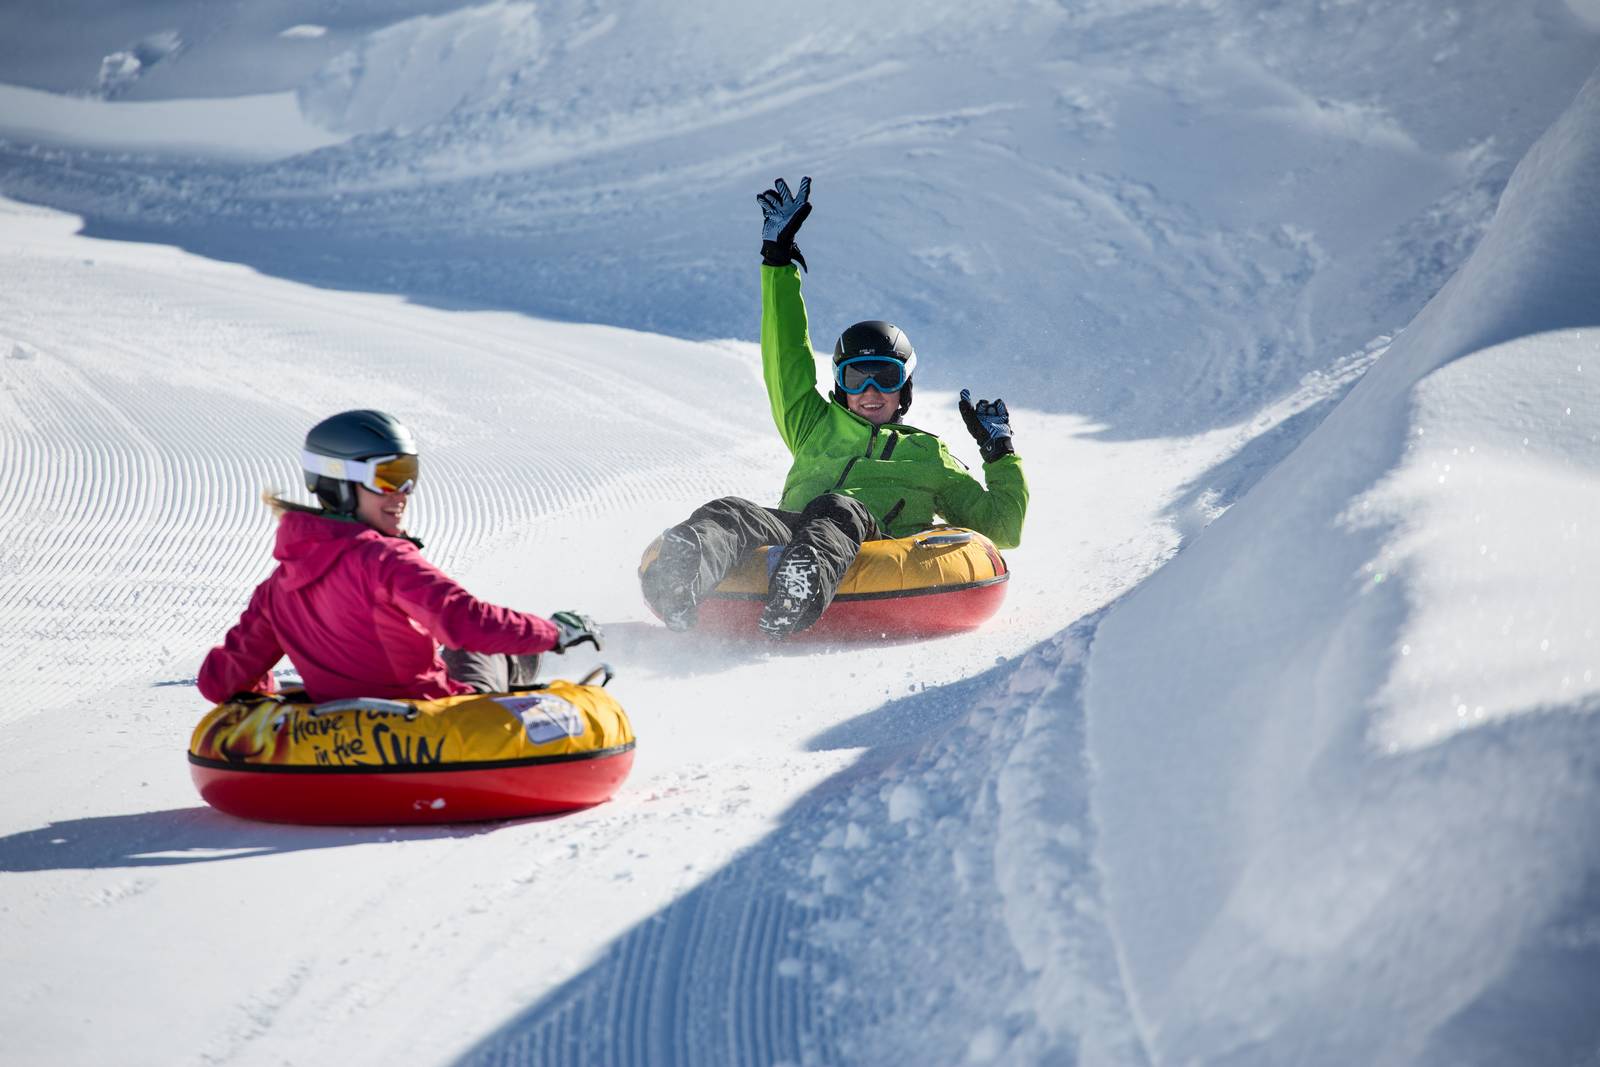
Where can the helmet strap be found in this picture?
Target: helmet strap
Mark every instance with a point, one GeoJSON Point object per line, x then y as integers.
{"type": "Point", "coordinates": [336, 495]}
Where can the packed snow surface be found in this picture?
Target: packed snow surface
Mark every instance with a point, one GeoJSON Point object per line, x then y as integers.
{"type": "Point", "coordinates": [136, 444]}
{"type": "Point", "coordinates": [1284, 748]}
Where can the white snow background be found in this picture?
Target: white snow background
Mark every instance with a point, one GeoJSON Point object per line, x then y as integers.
{"type": "Point", "coordinates": [1284, 748]}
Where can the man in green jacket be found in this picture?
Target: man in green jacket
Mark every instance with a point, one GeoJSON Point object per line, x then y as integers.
{"type": "Point", "coordinates": [858, 473]}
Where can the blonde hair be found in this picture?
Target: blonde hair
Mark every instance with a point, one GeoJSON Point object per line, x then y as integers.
{"type": "Point", "coordinates": [281, 507]}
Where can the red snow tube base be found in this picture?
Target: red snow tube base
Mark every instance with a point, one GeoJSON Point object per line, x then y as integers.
{"type": "Point", "coordinates": [927, 615]}
{"type": "Point", "coordinates": [399, 797]}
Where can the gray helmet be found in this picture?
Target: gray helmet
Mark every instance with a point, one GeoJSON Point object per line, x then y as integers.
{"type": "Point", "coordinates": [874, 337]}
{"type": "Point", "coordinates": [353, 435]}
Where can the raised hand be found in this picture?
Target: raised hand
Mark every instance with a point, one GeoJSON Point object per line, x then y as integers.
{"type": "Point", "coordinates": [782, 213]}
{"type": "Point", "coordinates": [574, 628]}
{"type": "Point", "coordinates": [989, 423]}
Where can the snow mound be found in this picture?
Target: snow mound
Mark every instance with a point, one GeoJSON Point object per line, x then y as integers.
{"type": "Point", "coordinates": [119, 70]}
{"type": "Point", "coordinates": [1346, 742]}
{"type": "Point", "coordinates": [414, 73]}
{"type": "Point", "coordinates": [1493, 502]}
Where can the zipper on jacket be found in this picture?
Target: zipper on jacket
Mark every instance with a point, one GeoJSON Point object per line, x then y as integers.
{"type": "Point", "coordinates": [894, 513]}
{"type": "Point", "coordinates": [888, 446]}
{"type": "Point", "coordinates": [867, 454]}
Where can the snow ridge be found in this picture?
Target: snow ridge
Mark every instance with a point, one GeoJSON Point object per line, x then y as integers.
{"type": "Point", "coordinates": [1327, 838]}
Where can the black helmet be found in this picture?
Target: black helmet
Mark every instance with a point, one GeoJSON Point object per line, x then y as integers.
{"type": "Point", "coordinates": [874, 337]}
{"type": "Point", "coordinates": [350, 435]}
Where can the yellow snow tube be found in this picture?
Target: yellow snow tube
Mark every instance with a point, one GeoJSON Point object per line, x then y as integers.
{"type": "Point", "coordinates": [942, 580]}
{"type": "Point", "coordinates": [281, 758]}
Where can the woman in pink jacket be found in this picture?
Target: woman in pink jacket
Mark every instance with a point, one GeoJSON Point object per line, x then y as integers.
{"type": "Point", "coordinates": [353, 604]}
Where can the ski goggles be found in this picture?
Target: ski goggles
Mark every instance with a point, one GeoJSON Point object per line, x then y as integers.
{"type": "Point", "coordinates": [854, 375]}
{"type": "Point", "coordinates": [381, 474]}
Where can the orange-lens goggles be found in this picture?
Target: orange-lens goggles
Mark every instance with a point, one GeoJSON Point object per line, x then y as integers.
{"type": "Point", "coordinates": [394, 474]}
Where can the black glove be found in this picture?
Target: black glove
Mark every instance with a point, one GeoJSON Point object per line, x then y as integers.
{"type": "Point", "coordinates": [573, 628]}
{"type": "Point", "coordinates": [989, 423]}
{"type": "Point", "coordinates": [782, 214]}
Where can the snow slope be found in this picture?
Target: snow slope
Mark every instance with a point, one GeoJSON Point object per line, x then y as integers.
{"type": "Point", "coordinates": [1318, 791]}
{"type": "Point", "coordinates": [1186, 207]}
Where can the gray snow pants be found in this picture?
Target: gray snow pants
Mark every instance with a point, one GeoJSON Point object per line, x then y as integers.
{"type": "Point", "coordinates": [729, 528]}
{"type": "Point", "coordinates": [489, 672]}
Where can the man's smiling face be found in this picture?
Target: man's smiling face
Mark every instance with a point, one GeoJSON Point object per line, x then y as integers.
{"type": "Point", "coordinates": [877, 408]}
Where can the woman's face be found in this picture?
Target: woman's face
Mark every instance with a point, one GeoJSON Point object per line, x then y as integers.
{"type": "Point", "coordinates": [877, 408]}
{"type": "Point", "coordinates": [384, 512]}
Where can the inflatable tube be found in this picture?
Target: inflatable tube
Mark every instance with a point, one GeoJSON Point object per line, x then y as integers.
{"type": "Point", "coordinates": [941, 581]}
{"type": "Point", "coordinates": [280, 758]}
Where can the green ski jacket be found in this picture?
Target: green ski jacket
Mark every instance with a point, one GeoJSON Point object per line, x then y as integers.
{"type": "Point", "coordinates": [905, 476]}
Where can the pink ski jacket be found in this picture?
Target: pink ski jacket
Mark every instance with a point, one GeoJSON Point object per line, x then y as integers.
{"type": "Point", "coordinates": [359, 614]}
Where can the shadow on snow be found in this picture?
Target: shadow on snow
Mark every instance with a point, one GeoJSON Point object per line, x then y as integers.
{"type": "Point", "coordinates": [181, 836]}
{"type": "Point", "coordinates": [874, 900]}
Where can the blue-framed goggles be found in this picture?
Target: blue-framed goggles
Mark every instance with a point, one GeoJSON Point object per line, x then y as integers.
{"type": "Point", "coordinates": [854, 375]}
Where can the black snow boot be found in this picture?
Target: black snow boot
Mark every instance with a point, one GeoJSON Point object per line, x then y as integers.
{"type": "Point", "coordinates": [669, 582]}
{"type": "Point", "coordinates": [796, 594]}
